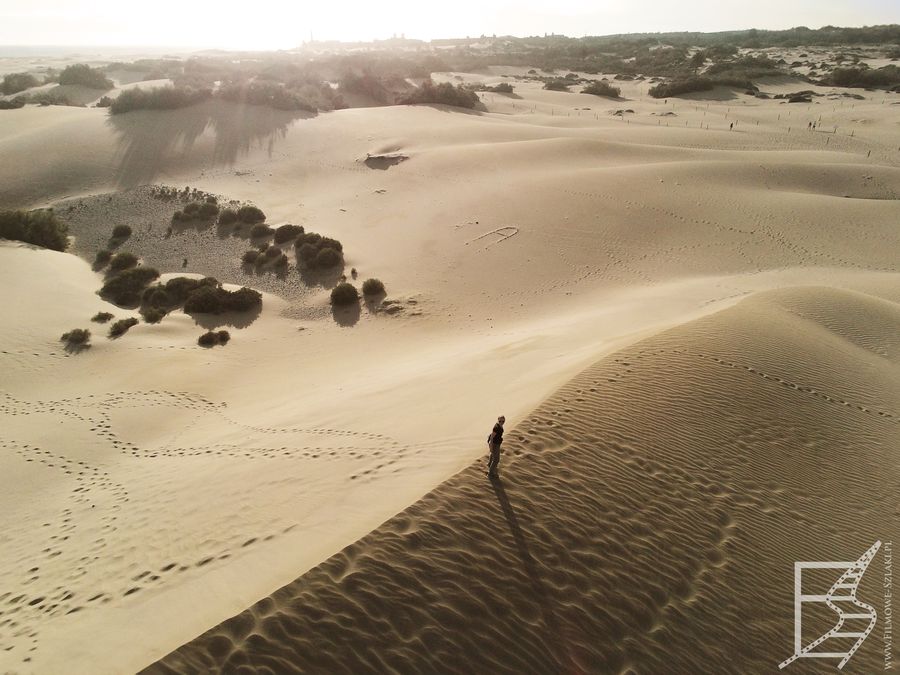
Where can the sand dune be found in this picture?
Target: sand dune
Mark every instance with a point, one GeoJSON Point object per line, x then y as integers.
{"type": "Point", "coordinates": [628, 533]}
{"type": "Point", "coordinates": [151, 488]}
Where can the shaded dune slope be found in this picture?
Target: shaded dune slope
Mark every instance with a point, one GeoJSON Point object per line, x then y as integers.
{"type": "Point", "coordinates": [647, 519]}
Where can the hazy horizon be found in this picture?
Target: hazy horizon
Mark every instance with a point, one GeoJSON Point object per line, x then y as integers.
{"type": "Point", "coordinates": [270, 26]}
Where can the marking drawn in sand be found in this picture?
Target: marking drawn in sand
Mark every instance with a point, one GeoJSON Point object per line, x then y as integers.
{"type": "Point", "coordinates": [503, 233]}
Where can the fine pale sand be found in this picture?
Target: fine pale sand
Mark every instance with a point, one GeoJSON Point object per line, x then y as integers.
{"type": "Point", "coordinates": [646, 520]}
{"type": "Point", "coordinates": [733, 296]}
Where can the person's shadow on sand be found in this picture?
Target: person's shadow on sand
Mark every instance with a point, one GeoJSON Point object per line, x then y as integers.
{"type": "Point", "coordinates": [545, 602]}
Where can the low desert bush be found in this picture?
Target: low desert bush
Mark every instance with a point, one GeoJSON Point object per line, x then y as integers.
{"type": "Point", "coordinates": [77, 336]}
{"type": "Point", "coordinates": [101, 317]}
{"type": "Point", "coordinates": [125, 288]}
{"type": "Point", "coordinates": [444, 93]}
{"type": "Point", "coordinates": [153, 314]}
{"type": "Point", "coordinates": [250, 256]}
{"type": "Point", "coordinates": [158, 98]}
{"type": "Point", "coordinates": [224, 336]}
{"type": "Point", "coordinates": [216, 300]}
{"type": "Point", "coordinates": [373, 287]}
{"type": "Point", "coordinates": [327, 258]}
{"type": "Point", "coordinates": [601, 88]}
{"type": "Point", "coordinates": [228, 217]}
{"type": "Point", "coordinates": [344, 294]}
{"type": "Point", "coordinates": [502, 88]}
{"type": "Point", "coordinates": [121, 232]}
{"type": "Point", "coordinates": [102, 258]}
{"type": "Point", "coordinates": [39, 227]}
{"type": "Point", "coordinates": [83, 74]}
{"type": "Point", "coordinates": [681, 86]}
{"type": "Point", "coordinates": [208, 339]}
{"type": "Point", "coordinates": [557, 85]}
{"type": "Point", "coordinates": [250, 215]}
{"type": "Point", "coordinates": [13, 83]}
{"type": "Point", "coordinates": [13, 104]}
{"type": "Point", "coordinates": [260, 231]}
{"type": "Point", "coordinates": [121, 327]}
{"type": "Point", "coordinates": [122, 261]}
{"type": "Point", "coordinates": [286, 233]}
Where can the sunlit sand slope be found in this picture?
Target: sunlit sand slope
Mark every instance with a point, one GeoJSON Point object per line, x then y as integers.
{"type": "Point", "coordinates": [647, 520]}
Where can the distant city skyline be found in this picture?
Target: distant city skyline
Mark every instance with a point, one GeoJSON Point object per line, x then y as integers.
{"type": "Point", "coordinates": [267, 24]}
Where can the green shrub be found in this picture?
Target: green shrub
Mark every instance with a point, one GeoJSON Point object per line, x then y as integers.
{"type": "Point", "coordinates": [216, 300]}
{"type": "Point", "coordinates": [178, 289]}
{"type": "Point", "coordinates": [344, 294]}
{"type": "Point", "coordinates": [121, 327]}
{"type": "Point", "coordinates": [272, 252]}
{"type": "Point", "coordinates": [153, 314]}
{"type": "Point", "coordinates": [601, 88]}
{"type": "Point", "coordinates": [13, 104]}
{"type": "Point", "coordinates": [502, 88]}
{"type": "Point", "coordinates": [13, 83]}
{"type": "Point", "coordinates": [681, 86]}
{"type": "Point", "coordinates": [125, 288]}
{"type": "Point", "coordinates": [102, 258]}
{"type": "Point", "coordinates": [228, 217]}
{"type": "Point", "coordinates": [250, 256]}
{"type": "Point", "coordinates": [327, 258]}
{"type": "Point", "coordinates": [83, 74]}
{"type": "Point", "coordinates": [122, 261]}
{"type": "Point", "coordinates": [443, 93]}
{"type": "Point", "coordinates": [77, 336]}
{"type": "Point", "coordinates": [224, 336]}
{"type": "Point", "coordinates": [373, 287]}
{"type": "Point", "coordinates": [260, 231]}
{"type": "Point", "coordinates": [887, 76]}
{"type": "Point", "coordinates": [209, 210]}
{"type": "Point", "coordinates": [156, 297]}
{"type": "Point", "coordinates": [101, 317]}
{"type": "Point", "coordinates": [158, 98]}
{"type": "Point", "coordinates": [287, 233]}
{"type": "Point", "coordinates": [39, 227]}
{"type": "Point", "coordinates": [121, 232]}
{"type": "Point", "coordinates": [250, 215]}
{"type": "Point", "coordinates": [307, 253]}
{"type": "Point", "coordinates": [208, 339]}
{"type": "Point", "coordinates": [557, 85]}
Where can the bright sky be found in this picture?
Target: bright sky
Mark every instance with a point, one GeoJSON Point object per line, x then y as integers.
{"type": "Point", "coordinates": [273, 24]}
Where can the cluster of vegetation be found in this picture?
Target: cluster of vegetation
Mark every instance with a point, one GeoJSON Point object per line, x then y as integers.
{"type": "Point", "coordinates": [216, 300]}
{"type": "Point", "coordinates": [125, 288]}
{"type": "Point", "coordinates": [213, 338]}
{"type": "Point", "coordinates": [366, 84]}
{"type": "Point", "coordinates": [120, 327]}
{"type": "Point", "coordinates": [443, 93]}
{"type": "Point", "coordinates": [286, 233]}
{"type": "Point", "coordinates": [862, 76]}
{"type": "Point", "coordinates": [601, 88]}
{"type": "Point", "coordinates": [13, 104]}
{"type": "Point", "coordinates": [13, 83]}
{"type": "Point", "coordinates": [40, 227]}
{"type": "Point", "coordinates": [158, 98]}
{"type": "Point", "coordinates": [77, 337]}
{"type": "Point", "coordinates": [267, 256]}
{"type": "Point", "coordinates": [557, 85]}
{"type": "Point", "coordinates": [502, 88]}
{"type": "Point", "coordinates": [205, 210]}
{"type": "Point", "coordinates": [315, 252]}
{"type": "Point", "coordinates": [303, 95]}
{"type": "Point", "coordinates": [344, 294]}
{"type": "Point", "coordinates": [101, 317]}
{"type": "Point", "coordinates": [681, 86]}
{"type": "Point", "coordinates": [245, 215]}
{"type": "Point", "coordinates": [82, 74]}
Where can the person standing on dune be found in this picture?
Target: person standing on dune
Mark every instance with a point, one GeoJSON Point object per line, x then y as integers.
{"type": "Point", "coordinates": [494, 440]}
